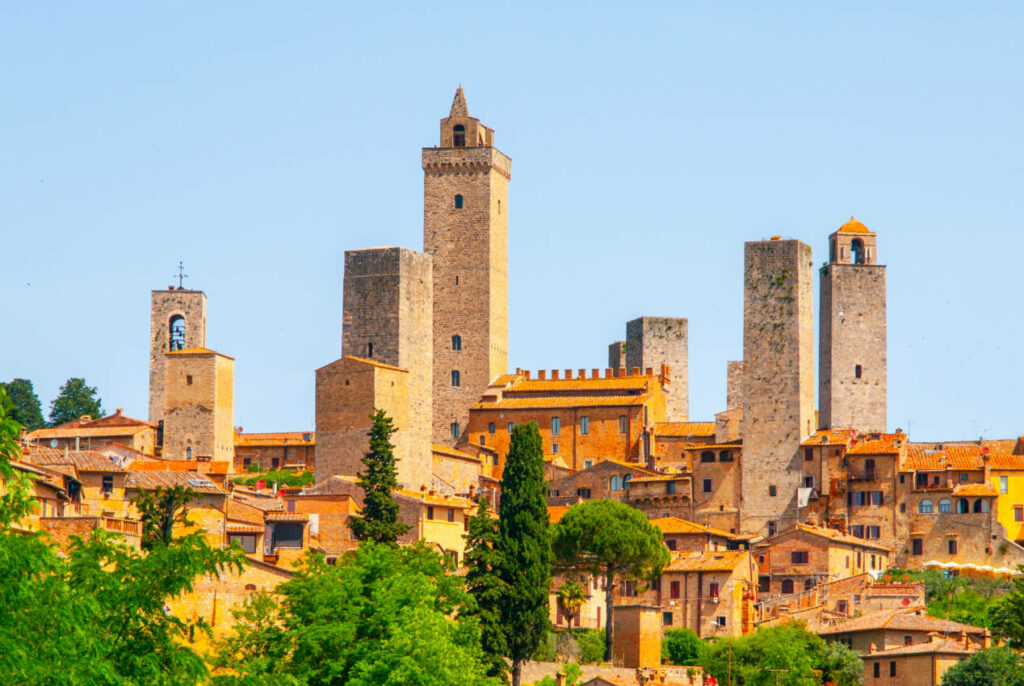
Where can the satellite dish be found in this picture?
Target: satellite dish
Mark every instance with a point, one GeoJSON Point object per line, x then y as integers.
{"type": "Point", "coordinates": [54, 442]}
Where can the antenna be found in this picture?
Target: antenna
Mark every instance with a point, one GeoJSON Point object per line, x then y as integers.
{"type": "Point", "coordinates": [181, 274]}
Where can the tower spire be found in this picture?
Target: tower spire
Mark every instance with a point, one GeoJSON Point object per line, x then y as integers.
{"type": "Point", "coordinates": [459, 107]}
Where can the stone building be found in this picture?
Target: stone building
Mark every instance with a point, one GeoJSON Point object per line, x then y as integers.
{"type": "Point", "coordinates": [199, 406]}
{"type": "Point", "coordinates": [852, 347]}
{"type": "Point", "coordinates": [177, 321]}
{"type": "Point", "coordinates": [276, 450]}
{"type": "Point", "coordinates": [86, 433]}
{"type": "Point", "coordinates": [655, 341]}
{"type": "Point", "coordinates": [778, 380]}
{"type": "Point", "coordinates": [465, 229]}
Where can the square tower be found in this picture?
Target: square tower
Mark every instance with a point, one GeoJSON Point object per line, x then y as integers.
{"type": "Point", "coordinates": [852, 346]}
{"type": "Point", "coordinates": [199, 411]}
{"type": "Point", "coordinates": [177, 321]}
{"type": "Point", "coordinates": [465, 229]}
{"type": "Point", "coordinates": [654, 341]}
{"type": "Point", "coordinates": [778, 380]}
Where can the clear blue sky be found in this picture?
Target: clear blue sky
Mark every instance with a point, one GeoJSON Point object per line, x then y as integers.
{"type": "Point", "coordinates": [259, 141]}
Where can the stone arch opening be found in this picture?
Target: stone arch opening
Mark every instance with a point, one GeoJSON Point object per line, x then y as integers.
{"type": "Point", "coordinates": [176, 328]}
{"type": "Point", "coordinates": [459, 136]}
{"type": "Point", "coordinates": [857, 254]}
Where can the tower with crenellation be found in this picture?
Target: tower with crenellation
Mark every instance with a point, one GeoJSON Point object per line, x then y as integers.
{"type": "Point", "coordinates": [852, 331]}
{"type": "Point", "coordinates": [465, 229]}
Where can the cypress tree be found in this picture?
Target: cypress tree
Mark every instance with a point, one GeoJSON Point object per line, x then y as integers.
{"type": "Point", "coordinates": [484, 583]}
{"type": "Point", "coordinates": [379, 521]}
{"type": "Point", "coordinates": [525, 547]}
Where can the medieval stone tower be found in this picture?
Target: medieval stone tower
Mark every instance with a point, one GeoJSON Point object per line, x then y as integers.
{"type": "Point", "coordinates": [852, 347]}
{"type": "Point", "coordinates": [465, 229]}
{"type": "Point", "coordinates": [778, 380]}
{"type": "Point", "coordinates": [177, 321]}
{"type": "Point", "coordinates": [199, 406]}
{"type": "Point", "coordinates": [654, 341]}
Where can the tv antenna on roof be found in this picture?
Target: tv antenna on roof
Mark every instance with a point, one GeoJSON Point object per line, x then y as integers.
{"type": "Point", "coordinates": [181, 274]}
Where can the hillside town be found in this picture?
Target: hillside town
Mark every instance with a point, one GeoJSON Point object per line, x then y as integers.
{"type": "Point", "coordinates": [797, 503]}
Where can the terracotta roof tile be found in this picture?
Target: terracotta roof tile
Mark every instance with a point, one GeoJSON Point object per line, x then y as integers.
{"type": "Point", "coordinates": [975, 490]}
{"type": "Point", "coordinates": [452, 452]}
{"type": "Point", "coordinates": [233, 528]}
{"type": "Point", "coordinates": [695, 429]}
{"type": "Point", "coordinates": [274, 439]}
{"type": "Point", "coordinates": [81, 460]}
{"type": "Point", "coordinates": [87, 430]}
{"type": "Point", "coordinates": [724, 561]}
{"type": "Point", "coordinates": [675, 525]}
{"type": "Point", "coordinates": [556, 512]}
{"type": "Point", "coordinates": [147, 480]}
{"type": "Point", "coordinates": [375, 363]}
{"type": "Point", "coordinates": [527, 403]}
{"type": "Point", "coordinates": [287, 517]}
{"type": "Point", "coordinates": [198, 352]}
{"type": "Point", "coordinates": [885, 444]}
{"type": "Point", "coordinates": [854, 226]}
{"type": "Point", "coordinates": [839, 537]}
{"type": "Point", "coordinates": [438, 498]}
{"type": "Point", "coordinates": [829, 437]}
{"type": "Point", "coordinates": [936, 645]}
{"type": "Point", "coordinates": [903, 619]}
{"type": "Point", "coordinates": [618, 383]}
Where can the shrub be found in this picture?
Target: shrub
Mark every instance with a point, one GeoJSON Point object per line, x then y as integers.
{"type": "Point", "coordinates": [680, 647]}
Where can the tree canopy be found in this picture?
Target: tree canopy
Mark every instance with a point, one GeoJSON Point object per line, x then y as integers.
{"type": "Point", "coordinates": [525, 546]}
{"type": "Point", "coordinates": [990, 667]}
{"type": "Point", "coordinates": [485, 585]}
{"type": "Point", "coordinates": [610, 539]}
{"type": "Point", "coordinates": [379, 478]}
{"type": "Point", "coordinates": [75, 399]}
{"type": "Point", "coordinates": [26, 409]}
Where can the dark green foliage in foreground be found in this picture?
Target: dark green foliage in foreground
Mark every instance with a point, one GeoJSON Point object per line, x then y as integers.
{"type": "Point", "coordinates": [680, 647]}
{"type": "Point", "coordinates": [26, 409]}
{"type": "Point", "coordinates": [991, 667]}
{"type": "Point", "coordinates": [379, 521]}
{"type": "Point", "coordinates": [484, 583]}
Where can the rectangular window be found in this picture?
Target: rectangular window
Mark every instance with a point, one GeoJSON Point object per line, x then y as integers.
{"type": "Point", "coordinates": [246, 541]}
{"type": "Point", "coordinates": [874, 532]}
{"type": "Point", "coordinates": [720, 620]}
{"type": "Point", "coordinates": [903, 478]}
{"type": "Point", "coordinates": [584, 425]}
{"type": "Point", "coordinates": [666, 619]}
{"type": "Point", "coordinates": [670, 487]}
{"type": "Point", "coordinates": [892, 668]}
{"type": "Point", "coordinates": [287, 535]}
{"type": "Point", "coordinates": [772, 528]}
{"type": "Point", "coordinates": [872, 562]}
{"type": "Point", "coordinates": [583, 492]}
{"type": "Point", "coordinates": [673, 589]}
{"type": "Point", "coordinates": [587, 464]}
{"type": "Point", "coordinates": [188, 379]}
{"type": "Point", "coordinates": [556, 426]}
{"type": "Point", "coordinates": [917, 546]}
{"type": "Point", "coordinates": [275, 462]}
{"type": "Point", "coordinates": [108, 484]}
{"type": "Point", "coordinates": [808, 454]}
{"type": "Point", "coordinates": [799, 557]}
{"type": "Point", "coordinates": [951, 546]}
{"type": "Point", "coordinates": [483, 439]}
{"type": "Point", "coordinates": [1018, 513]}
{"type": "Point", "coordinates": [877, 498]}
{"type": "Point", "coordinates": [707, 485]}
{"type": "Point", "coordinates": [246, 462]}
{"type": "Point", "coordinates": [842, 607]}
{"type": "Point", "coordinates": [858, 531]}
{"type": "Point", "coordinates": [857, 371]}
{"type": "Point", "coordinates": [963, 477]}
{"type": "Point", "coordinates": [908, 640]}
{"type": "Point", "coordinates": [771, 491]}
{"type": "Point", "coordinates": [764, 584]}
{"type": "Point", "coordinates": [490, 428]}
{"type": "Point", "coordinates": [671, 544]}
{"type": "Point", "coordinates": [858, 497]}
{"type": "Point", "coordinates": [511, 425]}
{"type": "Point", "coordinates": [1003, 485]}
{"type": "Point", "coordinates": [430, 511]}
{"type": "Point", "coordinates": [858, 560]}
{"type": "Point", "coordinates": [623, 424]}
{"type": "Point", "coordinates": [451, 514]}
{"type": "Point", "coordinates": [877, 669]}
{"type": "Point", "coordinates": [453, 428]}
{"type": "Point", "coordinates": [554, 448]}
{"type": "Point", "coordinates": [713, 589]}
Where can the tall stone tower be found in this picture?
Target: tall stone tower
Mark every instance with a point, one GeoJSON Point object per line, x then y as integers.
{"type": "Point", "coordinates": [654, 341]}
{"type": "Point", "coordinates": [852, 347]}
{"type": "Point", "coordinates": [778, 380]}
{"type": "Point", "coordinates": [177, 322]}
{"type": "Point", "coordinates": [465, 229]}
{"type": "Point", "coordinates": [199, 409]}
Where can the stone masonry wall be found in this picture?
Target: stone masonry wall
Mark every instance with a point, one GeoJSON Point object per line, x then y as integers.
{"type": "Point", "coordinates": [199, 406]}
{"type": "Point", "coordinates": [734, 384]}
{"type": "Point", "coordinates": [388, 295]}
{"type": "Point", "coordinates": [469, 246]}
{"type": "Point", "coordinates": [853, 332]}
{"type": "Point", "coordinates": [778, 379]}
{"type": "Point", "coordinates": [654, 341]}
{"type": "Point", "coordinates": [617, 355]}
{"type": "Point", "coordinates": [166, 304]}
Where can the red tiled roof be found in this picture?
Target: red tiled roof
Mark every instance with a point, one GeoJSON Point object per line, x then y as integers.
{"type": "Point", "coordinates": [675, 525]}
{"type": "Point", "coordinates": [287, 517]}
{"type": "Point", "coordinates": [975, 490]}
{"type": "Point", "coordinates": [854, 226]}
{"type": "Point", "coordinates": [146, 480]}
{"type": "Point", "coordinates": [838, 537]}
{"type": "Point", "coordinates": [829, 437]}
{"type": "Point", "coordinates": [885, 444]}
{"type": "Point", "coordinates": [936, 645]}
{"type": "Point", "coordinates": [275, 439]}
{"type": "Point", "coordinates": [527, 403]}
{"type": "Point", "coordinates": [685, 429]}
{"type": "Point", "coordinates": [556, 512]}
{"type": "Point", "coordinates": [962, 456]}
{"type": "Point", "coordinates": [81, 460]}
{"type": "Point", "coordinates": [724, 561]}
{"type": "Point", "coordinates": [618, 383]}
{"type": "Point", "coordinates": [903, 619]}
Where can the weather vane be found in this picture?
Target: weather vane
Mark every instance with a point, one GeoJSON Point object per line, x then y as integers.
{"type": "Point", "coordinates": [181, 274]}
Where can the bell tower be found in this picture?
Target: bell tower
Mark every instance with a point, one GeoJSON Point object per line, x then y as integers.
{"type": "Point", "coordinates": [177, 321]}
{"type": "Point", "coordinates": [852, 347]}
{"type": "Point", "coordinates": [465, 229]}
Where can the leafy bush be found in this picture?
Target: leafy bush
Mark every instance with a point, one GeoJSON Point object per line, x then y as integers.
{"type": "Point", "coordinates": [283, 477]}
{"type": "Point", "coordinates": [585, 646]}
{"type": "Point", "coordinates": [991, 667]}
{"type": "Point", "coordinates": [681, 647]}
{"type": "Point", "coordinates": [590, 643]}
{"type": "Point", "coordinates": [572, 673]}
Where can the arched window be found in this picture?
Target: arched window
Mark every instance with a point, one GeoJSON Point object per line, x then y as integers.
{"type": "Point", "coordinates": [625, 481]}
{"type": "Point", "coordinates": [615, 483]}
{"type": "Point", "coordinates": [456, 342]}
{"type": "Point", "coordinates": [926, 507]}
{"type": "Point", "coordinates": [945, 506]}
{"type": "Point", "coordinates": [981, 505]}
{"type": "Point", "coordinates": [459, 136]}
{"type": "Point", "coordinates": [456, 377]}
{"type": "Point", "coordinates": [188, 453]}
{"type": "Point", "coordinates": [707, 456]}
{"type": "Point", "coordinates": [458, 202]}
{"type": "Point", "coordinates": [787, 586]}
{"type": "Point", "coordinates": [962, 506]}
{"type": "Point", "coordinates": [725, 456]}
{"type": "Point", "coordinates": [857, 251]}
{"type": "Point", "coordinates": [177, 332]}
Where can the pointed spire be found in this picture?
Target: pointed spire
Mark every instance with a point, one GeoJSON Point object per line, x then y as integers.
{"type": "Point", "coordinates": [459, 108]}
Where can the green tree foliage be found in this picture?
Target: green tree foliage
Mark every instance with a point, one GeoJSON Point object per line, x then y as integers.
{"type": "Point", "coordinates": [612, 540]}
{"type": "Point", "coordinates": [259, 650]}
{"type": "Point", "coordinates": [971, 600]}
{"type": "Point", "coordinates": [572, 673]}
{"type": "Point", "coordinates": [680, 647]}
{"type": "Point", "coordinates": [95, 615]}
{"type": "Point", "coordinates": [788, 653]}
{"type": "Point", "coordinates": [75, 399]}
{"type": "Point", "coordinates": [991, 667]}
{"type": "Point", "coordinates": [379, 521]}
{"type": "Point", "coordinates": [383, 616]}
{"type": "Point", "coordinates": [1006, 615]}
{"type": "Point", "coordinates": [525, 546]}
{"type": "Point", "coordinates": [485, 585]}
{"type": "Point", "coordinates": [571, 596]}
{"type": "Point", "coordinates": [160, 510]}
{"type": "Point", "coordinates": [26, 410]}
{"type": "Point", "coordinates": [282, 477]}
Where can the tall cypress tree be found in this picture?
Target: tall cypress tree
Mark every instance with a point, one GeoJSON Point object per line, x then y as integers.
{"type": "Point", "coordinates": [524, 546]}
{"type": "Point", "coordinates": [484, 583]}
{"type": "Point", "coordinates": [379, 521]}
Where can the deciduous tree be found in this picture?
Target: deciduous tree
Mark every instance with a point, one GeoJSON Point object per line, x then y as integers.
{"type": "Point", "coordinates": [611, 540]}
{"type": "Point", "coordinates": [990, 667]}
{"type": "Point", "coordinates": [160, 510]}
{"type": "Point", "coordinates": [26, 410]}
{"type": "Point", "coordinates": [75, 399]}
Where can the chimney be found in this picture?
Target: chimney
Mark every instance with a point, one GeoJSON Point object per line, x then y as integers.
{"type": "Point", "coordinates": [872, 648]}
{"type": "Point", "coordinates": [119, 412]}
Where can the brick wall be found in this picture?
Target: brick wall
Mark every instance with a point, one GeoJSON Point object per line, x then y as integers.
{"type": "Point", "coordinates": [167, 304]}
{"type": "Point", "coordinates": [778, 377]}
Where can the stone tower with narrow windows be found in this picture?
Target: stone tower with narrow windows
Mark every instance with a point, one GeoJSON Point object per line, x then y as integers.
{"type": "Point", "coordinates": [177, 322]}
{"type": "Point", "coordinates": [465, 229]}
{"type": "Point", "coordinates": [852, 321]}
{"type": "Point", "coordinates": [777, 380]}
